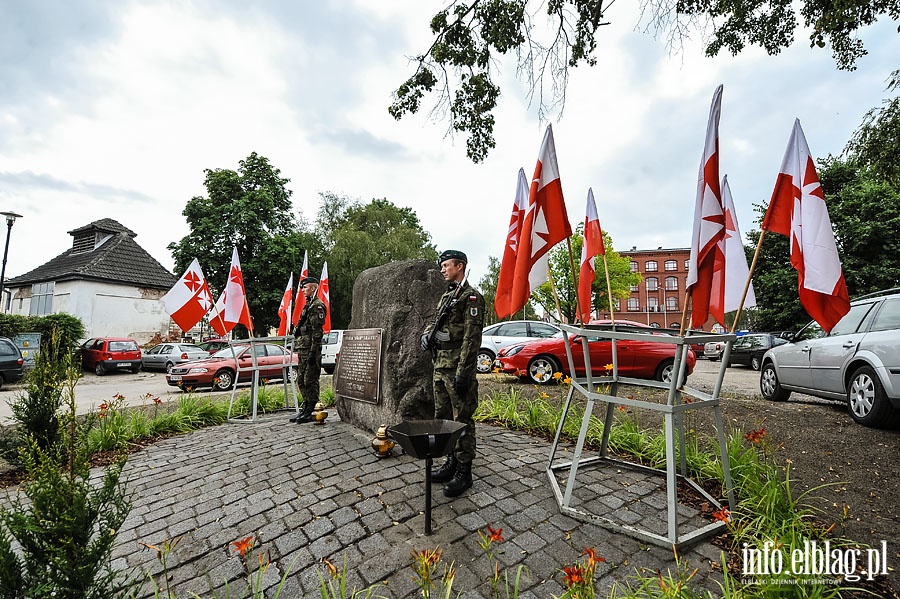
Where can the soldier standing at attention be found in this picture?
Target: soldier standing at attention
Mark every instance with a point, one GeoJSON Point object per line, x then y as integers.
{"type": "Point", "coordinates": [454, 343]}
{"type": "Point", "coordinates": [308, 345]}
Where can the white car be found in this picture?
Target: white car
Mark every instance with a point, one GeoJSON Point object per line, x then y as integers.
{"type": "Point", "coordinates": [503, 334]}
{"type": "Point", "coordinates": [331, 349]}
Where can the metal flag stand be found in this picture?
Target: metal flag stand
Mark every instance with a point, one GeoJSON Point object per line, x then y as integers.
{"type": "Point", "coordinates": [288, 379]}
{"type": "Point", "coordinates": [604, 389]}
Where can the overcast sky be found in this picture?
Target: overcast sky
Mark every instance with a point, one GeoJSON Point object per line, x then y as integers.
{"type": "Point", "coordinates": [114, 109]}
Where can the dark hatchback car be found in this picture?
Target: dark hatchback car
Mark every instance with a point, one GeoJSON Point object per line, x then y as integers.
{"type": "Point", "coordinates": [748, 350]}
{"type": "Point", "coordinates": [10, 362]}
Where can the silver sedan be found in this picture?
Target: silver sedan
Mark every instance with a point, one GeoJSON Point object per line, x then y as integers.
{"type": "Point", "coordinates": [166, 355]}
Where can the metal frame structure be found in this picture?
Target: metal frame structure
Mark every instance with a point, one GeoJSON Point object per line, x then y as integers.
{"type": "Point", "coordinates": [286, 379]}
{"type": "Point", "coordinates": [604, 389]}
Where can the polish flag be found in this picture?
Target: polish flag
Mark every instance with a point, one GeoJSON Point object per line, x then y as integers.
{"type": "Point", "coordinates": [545, 224]}
{"type": "Point", "coordinates": [736, 270]}
{"type": "Point", "coordinates": [592, 247]}
{"type": "Point", "coordinates": [216, 317]}
{"type": "Point", "coordinates": [285, 308]}
{"type": "Point", "coordinates": [797, 209]}
{"type": "Point", "coordinates": [325, 296]}
{"type": "Point", "coordinates": [300, 299]}
{"type": "Point", "coordinates": [706, 272]}
{"type": "Point", "coordinates": [508, 266]}
{"type": "Point", "coordinates": [189, 299]}
{"type": "Point", "coordinates": [236, 309]}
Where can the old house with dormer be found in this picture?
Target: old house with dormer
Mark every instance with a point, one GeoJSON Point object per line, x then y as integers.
{"type": "Point", "coordinates": [105, 278]}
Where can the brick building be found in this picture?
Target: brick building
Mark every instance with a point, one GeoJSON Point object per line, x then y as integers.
{"type": "Point", "coordinates": [659, 299]}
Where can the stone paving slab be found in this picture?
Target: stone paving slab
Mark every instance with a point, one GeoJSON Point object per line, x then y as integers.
{"type": "Point", "coordinates": [311, 492]}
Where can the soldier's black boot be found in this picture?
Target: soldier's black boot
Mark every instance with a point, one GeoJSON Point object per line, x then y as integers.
{"type": "Point", "coordinates": [446, 471]}
{"type": "Point", "coordinates": [461, 481]}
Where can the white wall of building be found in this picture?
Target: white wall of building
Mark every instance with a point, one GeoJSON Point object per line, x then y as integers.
{"type": "Point", "coordinates": [106, 309]}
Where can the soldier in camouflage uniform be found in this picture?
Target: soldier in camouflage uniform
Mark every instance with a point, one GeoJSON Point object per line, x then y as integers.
{"type": "Point", "coordinates": [308, 345]}
{"type": "Point", "coordinates": [454, 345]}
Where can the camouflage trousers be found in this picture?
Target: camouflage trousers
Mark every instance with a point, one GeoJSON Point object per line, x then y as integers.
{"type": "Point", "coordinates": [308, 381]}
{"type": "Point", "coordinates": [450, 406]}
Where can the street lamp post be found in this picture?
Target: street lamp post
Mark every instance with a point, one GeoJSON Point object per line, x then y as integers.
{"type": "Point", "coordinates": [10, 219]}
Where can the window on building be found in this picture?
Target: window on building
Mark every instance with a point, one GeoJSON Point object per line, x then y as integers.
{"type": "Point", "coordinates": [634, 288]}
{"type": "Point", "coordinates": [634, 266]}
{"type": "Point", "coordinates": [671, 265]}
{"type": "Point", "coordinates": [634, 304]}
{"type": "Point", "coordinates": [671, 304]}
{"type": "Point", "coordinates": [653, 304]}
{"type": "Point", "coordinates": [687, 264]}
{"type": "Point", "coordinates": [651, 266]}
{"type": "Point", "coordinates": [41, 299]}
{"type": "Point", "coordinates": [652, 283]}
{"type": "Point", "coordinates": [671, 283]}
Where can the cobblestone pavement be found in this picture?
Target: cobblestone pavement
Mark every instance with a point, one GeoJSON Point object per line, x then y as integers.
{"type": "Point", "coordinates": [310, 492]}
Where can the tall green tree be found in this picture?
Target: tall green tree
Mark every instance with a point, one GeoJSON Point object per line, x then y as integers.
{"type": "Point", "coordinates": [471, 36]}
{"type": "Point", "coordinates": [621, 278]}
{"type": "Point", "coordinates": [359, 236]}
{"type": "Point", "coordinates": [250, 209]}
{"type": "Point", "coordinates": [876, 143]}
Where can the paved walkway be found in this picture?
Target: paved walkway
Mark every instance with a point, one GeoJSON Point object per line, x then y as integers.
{"type": "Point", "coordinates": [310, 492]}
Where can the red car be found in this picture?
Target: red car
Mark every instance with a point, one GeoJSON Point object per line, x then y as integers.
{"type": "Point", "coordinates": [107, 354]}
{"type": "Point", "coordinates": [218, 370]}
{"type": "Point", "coordinates": [539, 359]}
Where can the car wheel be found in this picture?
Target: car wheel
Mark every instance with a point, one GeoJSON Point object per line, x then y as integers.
{"type": "Point", "coordinates": [666, 370]}
{"type": "Point", "coordinates": [867, 401]}
{"type": "Point", "coordinates": [136, 369]}
{"type": "Point", "coordinates": [484, 361]}
{"type": "Point", "coordinates": [294, 374]}
{"type": "Point", "coordinates": [713, 358]}
{"type": "Point", "coordinates": [169, 367]}
{"type": "Point", "coordinates": [755, 362]}
{"type": "Point", "coordinates": [2, 381]}
{"type": "Point", "coordinates": [98, 369]}
{"type": "Point", "coordinates": [541, 369]}
{"type": "Point", "coordinates": [769, 385]}
{"type": "Point", "coordinates": [224, 380]}
{"type": "Point", "coordinates": [329, 369]}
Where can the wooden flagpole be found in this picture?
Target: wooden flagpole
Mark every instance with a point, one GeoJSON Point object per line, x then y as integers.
{"type": "Point", "coordinates": [737, 316]}
{"type": "Point", "coordinates": [555, 295]}
{"type": "Point", "coordinates": [687, 298]}
{"type": "Point", "coordinates": [612, 313]}
{"type": "Point", "coordinates": [574, 280]}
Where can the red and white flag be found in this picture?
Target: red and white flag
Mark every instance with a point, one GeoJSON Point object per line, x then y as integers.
{"type": "Point", "coordinates": [545, 224]}
{"type": "Point", "coordinates": [797, 209]}
{"type": "Point", "coordinates": [508, 266]}
{"type": "Point", "coordinates": [217, 317]}
{"type": "Point", "coordinates": [736, 270]}
{"type": "Point", "coordinates": [236, 309]}
{"type": "Point", "coordinates": [706, 271]}
{"type": "Point", "coordinates": [284, 309]}
{"type": "Point", "coordinates": [325, 296]}
{"type": "Point", "coordinates": [189, 299]}
{"type": "Point", "coordinates": [300, 299]}
{"type": "Point", "coordinates": [590, 249]}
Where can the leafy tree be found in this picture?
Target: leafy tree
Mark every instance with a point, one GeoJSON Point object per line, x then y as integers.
{"type": "Point", "coordinates": [488, 288]}
{"type": "Point", "coordinates": [876, 143]}
{"type": "Point", "coordinates": [621, 278]}
{"type": "Point", "coordinates": [249, 209]}
{"type": "Point", "coordinates": [470, 36]}
{"type": "Point", "coordinates": [356, 237]}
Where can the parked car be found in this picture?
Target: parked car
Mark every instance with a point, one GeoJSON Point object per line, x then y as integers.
{"type": "Point", "coordinates": [213, 345]}
{"type": "Point", "coordinates": [749, 349]}
{"type": "Point", "coordinates": [220, 370]}
{"type": "Point", "coordinates": [106, 354]}
{"type": "Point", "coordinates": [713, 350]}
{"type": "Point", "coordinates": [11, 362]}
{"type": "Point", "coordinates": [857, 362]}
{"type": "Point", "coordinates": [166, 355]}
{"type": "Point", "coordinates": [331, 349]}
{"type": "Point", "coordinates": [511, 332]}
{"type": "Point", "coordinates": [538, 360]}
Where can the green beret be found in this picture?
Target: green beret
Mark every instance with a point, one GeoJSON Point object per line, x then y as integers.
{"type": "Point", "coordinates": [452, 255]}
{"type": "Point", "coordinates": [308, 280]}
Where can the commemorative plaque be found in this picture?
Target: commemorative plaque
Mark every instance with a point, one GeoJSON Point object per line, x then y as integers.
{"type": "Point", "coordinates": [358, 369]}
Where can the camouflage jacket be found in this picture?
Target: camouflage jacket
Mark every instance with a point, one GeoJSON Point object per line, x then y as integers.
{"type": "Point", "coordinates": [308, 332]}
{"type": "Point", "coordinates": [458, 339]}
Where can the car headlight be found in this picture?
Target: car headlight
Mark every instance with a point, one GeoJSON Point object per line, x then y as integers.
{"type": "Point", "coordinates": [514, 350]}
{"type": "Point", "coordinates": [198, 370]}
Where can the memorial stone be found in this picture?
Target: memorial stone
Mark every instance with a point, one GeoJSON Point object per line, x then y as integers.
{"type": "Point", "coordinates": [400, 298]}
